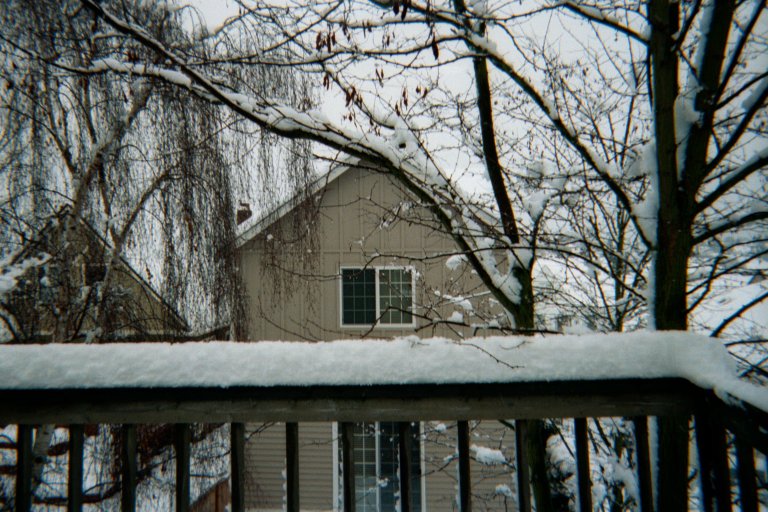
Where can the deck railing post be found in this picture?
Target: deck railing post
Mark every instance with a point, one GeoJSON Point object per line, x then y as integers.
{"type": "Point", "coordinates": [521, 459]}
{"type": "Point", "coordinates": [673, 463]}
{"type": "Point", "coordinates": [465, 483]}
{"type": "Point", "coordinates": [129, 469]}
{"type": "Point", "coordinates": [237, 466]}
{"type": "Point", "coordinates": [75, 470]}
{"type": "Point", "coordinates": [642, 450]}
{"type": "Point", "coordinates": [405, 447]}
{"type": "Point", "coordinates": [745, 467]}
{"type": "Point", "coordinates": [536, 440]}
{"type": "Point", "coordinates": [292, 466]}
{"type": "Point", "coordinates": [182, 440]}
{"type": "Point", "coordinates": [23, 499]}
{"type": "Point", "coordinates": [582, 464]}
{"type": "Point", "coordinates": [713, 463]}
{"type": "Point", "coordinates": [347, 431]}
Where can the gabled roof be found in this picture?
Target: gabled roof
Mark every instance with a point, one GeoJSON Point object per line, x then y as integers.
{"type": "Point", "coordinates": [263, 221]}
{"type": "Point", "coordinates": [92, 231]}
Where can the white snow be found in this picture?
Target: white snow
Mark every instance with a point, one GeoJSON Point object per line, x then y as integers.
{"type": "Point", "coordinates": [645, 164]}
{"type": "Point", "coordinates": [686, 116]}
{"type": "Point", "coordinates": [701, 360]}
{"type": "Point", "coordinates": [455, 261]}
{"type": "Point", "coordinates": [592, 12]}
{"type": "Point", "coordinates": [488, 456]}
{"type": "Point", "coordinates": [756, 94]}
{"type": "Point", "coordinates": [479, 7]}
{"type": "Point", "coordinates": [456, 316]}
{"type": "Point", "coordinates": [535, 203]}
{"type": "Point", "coordinates": [646, 213]}
{"type": "Point", "coordinates": [457, 300]}
{"type": "Point", "coordinates": [11, 272]}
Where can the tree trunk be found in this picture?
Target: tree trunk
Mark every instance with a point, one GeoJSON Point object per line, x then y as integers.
{"type": "Point", "coordinates": [673, 241]}
{"type": "Point", "coordinates": [536, 433]}
{"type": "Point", "coordinates": [670, 274]}
{"type": "Point", "coordinates": [537, 460]}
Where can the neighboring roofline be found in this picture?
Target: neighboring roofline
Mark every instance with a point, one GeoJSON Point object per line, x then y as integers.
{"type": "Point", "coordinates": [287, 206]}
{"type": "Point", "coordinates": [67, 210]}
{"type": "Point", "coordinates": [182, 322]}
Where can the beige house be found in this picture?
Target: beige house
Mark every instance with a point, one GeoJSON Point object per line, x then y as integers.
{"type": "Point", "coordinates": [357, 256]}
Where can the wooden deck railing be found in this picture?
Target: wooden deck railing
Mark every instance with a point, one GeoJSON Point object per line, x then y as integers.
{"type": "Point", "coordinates": [711, 418]}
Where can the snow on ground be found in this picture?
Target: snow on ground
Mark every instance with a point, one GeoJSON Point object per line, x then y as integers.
{"type": "Point", "coordinates": [409, 360]}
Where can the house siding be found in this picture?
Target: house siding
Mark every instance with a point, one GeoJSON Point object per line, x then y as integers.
{"type": "Point", "coordinates": [265, 466]}
{"type": "Point", "coordinates": [293, 286]}
{"type": "Point", "coordinates": [294, 294]}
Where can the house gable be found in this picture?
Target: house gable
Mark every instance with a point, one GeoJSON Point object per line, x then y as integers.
{"type": "Point", "coordinates": [136, 310]}
{"type": "Point", "coordinates": [358, 229]}
{"type": "Point", "coordinates": [359, 219]}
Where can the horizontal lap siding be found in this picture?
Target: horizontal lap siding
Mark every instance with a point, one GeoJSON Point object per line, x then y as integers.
{"type": "Point", "coordinates": [349, 231]}
{"type": "Point", "coordinates": [301, 301]}
{"type": "Point", "coordinates": [441, 480]}
{"type": "Point", "coordinates": [316, 466]}
{"type": "Point", "coordinates": [265, 463]}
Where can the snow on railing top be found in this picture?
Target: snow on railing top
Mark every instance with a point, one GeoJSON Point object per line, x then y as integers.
{"type": "Point", "coordinates": [407, 360]}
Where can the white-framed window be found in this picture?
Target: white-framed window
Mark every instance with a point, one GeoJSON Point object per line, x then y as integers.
{"type": "Point", "coordinates": [377, 295]}
{"type": "Point", "coordinates": [375, 464]}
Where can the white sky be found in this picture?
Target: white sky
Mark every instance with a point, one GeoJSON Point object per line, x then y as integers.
{"type": "Point", "coordinates": [214, 11]}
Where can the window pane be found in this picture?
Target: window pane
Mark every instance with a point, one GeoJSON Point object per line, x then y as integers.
{"type": "Point", "coordinates": [375, 467]}
{"type": "Point", "coordinates": [395, 296]}
{"type": "Point", "coordinates": [389, 464]}
{"type": "Point", "coordinates": [358, 296]}
{"type": "Point", "coordinates": [364, 455]}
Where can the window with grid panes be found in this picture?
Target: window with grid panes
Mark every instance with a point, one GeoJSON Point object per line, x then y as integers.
{"type": "Point", "coordinates": [383, 295]}
{"type": "Point", "coordinates": [375, 459]}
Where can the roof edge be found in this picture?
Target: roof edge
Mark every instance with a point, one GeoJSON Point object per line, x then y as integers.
{"type": "Point", "coordinates": [287, 206]}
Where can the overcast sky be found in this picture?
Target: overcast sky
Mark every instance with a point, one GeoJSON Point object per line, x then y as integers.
{"type": "Point", "coordinates": [214, 11]}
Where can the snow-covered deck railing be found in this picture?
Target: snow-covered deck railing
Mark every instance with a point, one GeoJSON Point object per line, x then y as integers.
{"type": "Point", "coordinates": [667, 375]}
